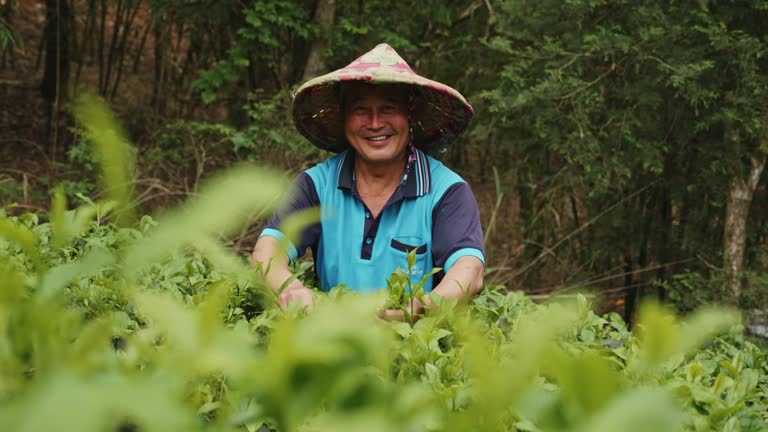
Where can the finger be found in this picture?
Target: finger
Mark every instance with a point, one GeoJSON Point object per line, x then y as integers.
{"type": "Point", "coordinates": [393, 315]}
{"type": "Point", "coordinates": [286, 301]}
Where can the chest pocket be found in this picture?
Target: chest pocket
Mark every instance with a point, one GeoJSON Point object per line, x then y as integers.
{"type": "Point", "coordinates": [400, 246]}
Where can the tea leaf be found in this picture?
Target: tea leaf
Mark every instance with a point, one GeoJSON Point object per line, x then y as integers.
{"type": "Point", "coordinates": [659, 335]}
{"type": "Point", "coordinates": [639, 410]}
{"type": "Point", "coordinates": [663, 338]}
{"type": "Point", "coordinates": [703, 325]}
{"type": "Point", "coordinates": [66, 403]}
{"type": "Point", "coordinates": [58, 207]}
{"type": "Point", "coordinates": [57, 278]}
{"type": "Point", "coordinates": [22, 237]}
{"type": "Point", "coordinates": [587, 380]}
{"type": "Point", "coordinates": [294, 224]}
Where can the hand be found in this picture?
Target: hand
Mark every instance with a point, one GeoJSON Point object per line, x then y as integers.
{"type": "Point", "coordinates": [391, 315]}
{"type": "Point", "coordinates": [399, 315]}
{"type": "Point", "coordinates": [300, 294]}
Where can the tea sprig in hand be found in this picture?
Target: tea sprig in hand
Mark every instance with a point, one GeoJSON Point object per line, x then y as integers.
{"type": "Point", "coordinates": [406, 300]}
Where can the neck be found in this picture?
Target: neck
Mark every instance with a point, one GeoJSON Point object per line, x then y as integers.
{"type": "Point", "coordinates": [380, 175]}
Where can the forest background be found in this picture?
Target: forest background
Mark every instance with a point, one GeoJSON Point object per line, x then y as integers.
{"type": "Point", "coordinates": [617, 146]}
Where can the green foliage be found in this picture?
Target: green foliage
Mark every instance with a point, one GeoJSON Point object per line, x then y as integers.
{"type": "Point", "coordinates": [690, 290]}
{"type": "Point", "coordinates": [269, 29]}
{"type": "Point", "coordinates": [270, 131]}
{"type": "Point", "coordinates": [624, 109]}
{"type": "Point", "coordinates": [269, 135]}
{"type": "Point", "coordinates": [178, 140]}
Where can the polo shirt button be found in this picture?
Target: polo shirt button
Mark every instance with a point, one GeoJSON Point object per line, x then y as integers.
{"type": "Point", "coordinates": [367, 215]}
{"type": "Point", "coordinates": [368, 240]}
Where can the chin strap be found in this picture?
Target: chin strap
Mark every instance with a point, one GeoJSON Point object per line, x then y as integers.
{"type": "Point", "coordinates": [411, 109]}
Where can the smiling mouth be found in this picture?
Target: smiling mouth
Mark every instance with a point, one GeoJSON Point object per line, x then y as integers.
{"type": "Point", "coordinates": [379, 138]}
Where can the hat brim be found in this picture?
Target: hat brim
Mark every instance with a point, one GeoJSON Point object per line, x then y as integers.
{"type": "Point", "coordinates": [440, 114]}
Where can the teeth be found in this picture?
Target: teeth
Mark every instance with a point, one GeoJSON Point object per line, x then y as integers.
{"type": "Point", "coordinates": [378, 138]}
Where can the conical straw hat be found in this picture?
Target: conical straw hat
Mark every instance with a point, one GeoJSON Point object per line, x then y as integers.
{"type": "Point", "coordinates": [439, 116]}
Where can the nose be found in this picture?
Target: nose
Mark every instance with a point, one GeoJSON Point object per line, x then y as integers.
{"type": "Point", "coordinates": [375, 120]}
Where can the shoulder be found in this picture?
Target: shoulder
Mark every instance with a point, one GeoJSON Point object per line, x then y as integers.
{"type": "Point", "coordinates": [323, 173]}
{"type": "Point", "coordinates": [303, 185]}
{"type": "Point", "coordinates": [442, 178]}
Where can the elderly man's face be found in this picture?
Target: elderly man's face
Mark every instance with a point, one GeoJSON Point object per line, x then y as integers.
{"type": "Point", "coordinates": [376, 121]}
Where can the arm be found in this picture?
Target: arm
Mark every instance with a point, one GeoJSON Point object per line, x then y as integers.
{"type": "Point", "coordinates": [457, 234]}
{"type": "Point", "coordinates": [270, 254]}
{"type": "Point", "coordinates": [463, 281]}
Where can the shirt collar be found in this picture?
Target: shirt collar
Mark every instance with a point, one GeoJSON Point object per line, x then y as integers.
{"type": "Point", "coordinates": [345, 170]}
{"type": "Point", "coordinates": [416, 181]}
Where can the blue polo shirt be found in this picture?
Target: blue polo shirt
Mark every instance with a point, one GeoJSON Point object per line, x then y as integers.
{"type": "Point", "coordinates": [433, 210]}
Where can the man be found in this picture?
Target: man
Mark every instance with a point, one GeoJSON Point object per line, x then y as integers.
{"type": "Point", "coordinates": [381, 196]}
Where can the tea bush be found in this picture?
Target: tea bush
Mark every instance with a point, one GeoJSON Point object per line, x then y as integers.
{"type": "Point", "coordinates": [190, 342]}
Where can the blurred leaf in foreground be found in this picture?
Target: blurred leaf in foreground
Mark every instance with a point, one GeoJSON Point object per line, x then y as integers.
{"type": "Point", "coordinates": [195, 342]}
{"type": "Point", "coordinates": [588, 382]}
{"type": "Point", "coordinates": [664, 339]}
{"type": "Point", "coordinates": [224, 203]}
{"type": "Point", "coordinates": [68, 403]}
{"type": "Point", "coordinates": [333, 358]}
{"type": "Point", "coordinates": [54, 280]}
{"type": "Point", "coordinates": [113, 150]}
{"type": "Point", "coordinates": [502, 377]}
{"type": "Point", "coordinates": [294, 224]}
{"type": "Point", "coordinates": [638, 410]}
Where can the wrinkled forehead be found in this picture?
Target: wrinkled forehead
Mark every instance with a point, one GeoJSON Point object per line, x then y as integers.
{"type": "Point", "coordinates": [354, 91]}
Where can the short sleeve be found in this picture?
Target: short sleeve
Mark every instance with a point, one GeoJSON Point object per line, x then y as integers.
{"type": "Point", "coordinates": [302, 195]}
{"type": "Point", "coordinates": [456, 230]}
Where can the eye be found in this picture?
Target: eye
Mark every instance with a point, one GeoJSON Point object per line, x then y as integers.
{"type": "Point", "coordinates": [390, 108]}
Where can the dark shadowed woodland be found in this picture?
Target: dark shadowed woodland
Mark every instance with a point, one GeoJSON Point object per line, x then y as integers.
{"type": "Point", "coordinates": [616, 148]}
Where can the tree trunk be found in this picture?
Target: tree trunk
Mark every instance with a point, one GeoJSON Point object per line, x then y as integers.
{"type": "Point", "coordinates": [111, 53]}
{"type": "Point", "coordinates": [56, 70]}
{"type": "Point", "coordinates": [632, 295]}
{"type": "Point", "coordinates": [123, 45]}
{"type": "Point", "coordinates": [53, 87]}
{"type": "Point", "coordinates": [142, 44]}
{"type": "Point", "coordinates": [665, 248]}
{"type": "Point", "coordinates": [740, 191]}
{"type": "Point", "coordinates": [102, 35]}
{"type": "Point", "coordinates": [87, 44]}
{"type": "Point", "coordinates": [160, 33]}
{"type": "Point", "coordinates": [324, 15]}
